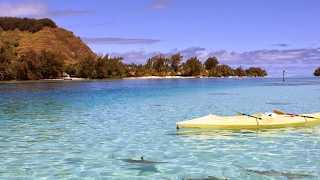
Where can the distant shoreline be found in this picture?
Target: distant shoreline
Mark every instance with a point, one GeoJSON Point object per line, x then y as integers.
{"type": "Point", "coordinates": [177, 77]}
{"type": "Point", "coordinates": [142, 77]}
{"type": "Point", "coordinates": [158, 77]}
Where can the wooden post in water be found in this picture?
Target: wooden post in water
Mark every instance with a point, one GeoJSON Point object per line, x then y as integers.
{"type": "Point", "coordinates": [283, 75]}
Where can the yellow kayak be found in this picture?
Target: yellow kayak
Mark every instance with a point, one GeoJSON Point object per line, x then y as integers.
{"type": "Point", "coordinates": [259, 120]}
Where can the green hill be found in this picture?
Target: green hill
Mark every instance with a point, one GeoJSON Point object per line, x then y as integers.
{"type": "Point", "coordinates": [54, 39]}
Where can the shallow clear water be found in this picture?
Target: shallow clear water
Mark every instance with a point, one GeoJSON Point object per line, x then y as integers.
{"type": "Point", "coordinates": [79, 129]}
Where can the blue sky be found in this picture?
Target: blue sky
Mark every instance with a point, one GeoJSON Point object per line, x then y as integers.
{"type": "Point", "coordinates": [275, 35]}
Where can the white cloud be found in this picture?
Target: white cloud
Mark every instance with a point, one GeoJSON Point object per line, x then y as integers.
{"type": "Point", "coordinates": [137, 57]}
{"type": "Point", "coordinates": [191, 52]}
{"type": "Point", "coordinates": [22, 9]}
{"type": "Point", "coordinates": [159, 5]}
{"type": "Point", "coordinates": [68, 12]}
{"type": "Point", "coordinates": [35, 10]}
{"type": "Point", "coordinates": [281, 45]}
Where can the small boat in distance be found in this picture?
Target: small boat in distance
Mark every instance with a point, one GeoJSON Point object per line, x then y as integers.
{"type": "Point", "coordinates": [67, 78]}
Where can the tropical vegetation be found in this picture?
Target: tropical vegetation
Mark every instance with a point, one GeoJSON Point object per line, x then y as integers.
{"type": "Point", "coordinates": [25, 24]}
{"type": "Point", "coordinates": [49, 65]}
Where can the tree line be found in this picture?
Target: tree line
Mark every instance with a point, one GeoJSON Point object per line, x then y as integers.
{"type": "Point", "coordinates": [30, 66]}
{"type": "Point", "coordinates": [25, 24]}
{"type": "Point", "coordinates": [160, 65]}
{"type": "Point", "coordinates": [49, 65]}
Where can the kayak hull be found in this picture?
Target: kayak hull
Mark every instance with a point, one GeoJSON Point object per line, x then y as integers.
{"type": "Point", "coordinates": [258, 121]}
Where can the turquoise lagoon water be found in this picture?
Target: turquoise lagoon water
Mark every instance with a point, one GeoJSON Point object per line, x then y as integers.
{"type": "Point", "coordinates": [80, 129]}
